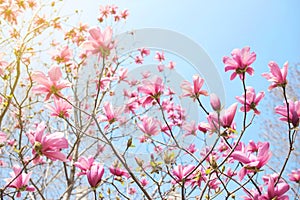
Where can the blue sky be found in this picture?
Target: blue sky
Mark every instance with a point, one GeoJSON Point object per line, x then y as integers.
{"type": "Point", "coordinates": [271, 28]}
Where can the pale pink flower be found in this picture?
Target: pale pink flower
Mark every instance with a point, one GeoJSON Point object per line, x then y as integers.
{"type": "Point", "coordinates": [99, 42]}
{"type": "Point", "coordinates": [139, 60]}
{"type": "Point", "coordinates": [194, 90]}
{"type": "Point", "coordinates": [295, 176]}
{"type": "Point", "coordinates": [111, 114]}
{"type": "Point", "coordinates": [180, 172]}
{"type": "Point", "coordinates": [294, 112]}
{"type": "Point", "coordinates": [215, 102]}
{"type": "Point", "coordinates": [160, 56]}
{"type": "Point", "coordinates": [49, 145]}
{"type": "Point", "coordinates": [51, 84]}
{"type": "Point", "coordinates": [240, 62]}
{"type": "Point", "coordinates": [252, 163]}
{"type": "Point", "coordinates": [84, 164]}
{"type": "Point", "coordinates": [277, 76]}
{"type": "Point", "coordinates": [149, 126]}
{"type": "Point", "coordinates": [21, 182]}
{"type": "Point", "coordinates": [190, 128]}
{"type": "Point", "coordinates": [63, 56]}
{"type": "Point", "coordinates": [192, 148]}
{"type": "Point", "coordinates": [132, 191]}
{"type": "Point", "coordinates": [160, 67]}
{"type": "Point", "coordinates": [144, 52]}
{"type": "Point", "coordinates": [118, 172]}
{"type": "Point", "coordinates": [252, 100]}
{"type": "Point", "coordinates": [226, 118]}
{"type": "Point", "coordinates": [152, 90]}
{"type": "Point", "coordinates": [61, 108]}
{"type": "Point", "coordinates": [94, 175]}
{"type": "Point", "coordinates": [171, 65]}
{"type": "Point", "coordinates": [124, 14]}
{"type": "Point", "coordinates": [275, 191]}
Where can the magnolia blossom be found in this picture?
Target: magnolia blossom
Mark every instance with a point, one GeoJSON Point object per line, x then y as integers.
{"type": "Point", "coordinates": [277, 76]}
{"type": "Point", "coordinates": [295, 176]}
{"type": "Point", "coordinates": [225, 118]}
{"type": "Point", "coordinates": [49, 145]}
{"type": "Point", "coordinates": [63, 56]}
{"type": "Point", "coordinates": [84, 164]}
{"type": "Point", "coordinates": [194, 90]}
{"type": "Point", "coordinates": [275, 191]}
{"type": "Point", "coordinates": [94, 175]}
{"type": "Point", "coordinates": [99, 42]}
{"type": "Point", "coordinates": [149, 126]}
{"type": "Point", "coordinates": [294, 112]}
{"type": "Point", "coordinates": [252, 163]}
{"type": "Point", "coordinates": [61, 108]}
{"type": "Point", "coordinates": [51, 84]}
{"type": "Point", "coordinates": [252, 100]}
{"type": "Point", "coordinates": [144, 52]}
{"type": "Point", "coordinates": [160, 56]}
{"type": "Point", "coordinates": [152, 90]}
{"type": "Point", "coordinates": [21, 182]}
{"type": "Point", "coordinates": [180, 172]}
{"type": "Point", "coordinates": [118, 172]}
{"type": "Point", "coordinates": [215, 102]}
{"type": "Point", "coordinates": [240, 62]}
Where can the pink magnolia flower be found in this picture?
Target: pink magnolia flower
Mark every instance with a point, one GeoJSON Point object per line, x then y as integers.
{"type": "Point", "coordinates": [124, 14]}
{"type": "Point", "coordinates": [226, 118]}
{"type": "Point", "coordinates": [294, 112]}
{"type": "Point", "coordinates": [99, 42]}
{"type": "Point", "coordinates": [192, 148]}
{"type": "Point", "coordinates": [139, 60]}
{"type": "Point", "coordinates": [199, 176]}
{"type": "Point", "coordinates": [94, 175]}
{"type": "Point", "coordinates": [118, 172]}
{"type": "Point", "coordinates": [240, 62]}
{"type": "Point", "coordinates": [171, 65]}
{"type": "Point", "coordinates": [277, 76]}
{"type": "Point", "coordinates": [149, 126]}
{"type": "Point", "coordinates": [144, 182]}
{"type": "Point", "coordinates": [61, 108]}
{"type": "Point", "coordinates": [63, 56]}
{"type": "Point", "coordinates": [215, 102]}
{"type": "Point", "coordinates": [295, 176]}
{"type": "Point", "coordinates": [84, 164]}
{"type": "Point", "coordinates": [49, 145]}
{"type": "Point", "coordinates": [111, 114]}
{"type": "Point", "coordinates": [160, 56]}
{"type": "Point", "coordinates": [252, 100]}
{"type": "Point", "coordinates": [51, 84]}
{"type": "Point", "coordinates": [21, 182]}
{"type": "Point", "coordinates": [144, 52]}
{"type": "Point", "coordinates": [190, 128]}
{"type": "Point", "coordinates": [181, 172]}
{"type": "Point", "coordinates": [252, 163]}
{"type": "Point", "coordinates": [132, 191]}
{"type": "Point", "coordinates": [194, 90]}
{"type": "Point", "coordinates": [276, 191]}
{"type": "Point", "coordinates": [152, 90]}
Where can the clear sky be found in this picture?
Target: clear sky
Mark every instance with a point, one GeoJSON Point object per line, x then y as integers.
{"type": "Point", "coordinates": [270, 27]}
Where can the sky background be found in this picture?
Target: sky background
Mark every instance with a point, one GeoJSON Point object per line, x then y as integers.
{"type": "Point", "coordinates": [270, 28]}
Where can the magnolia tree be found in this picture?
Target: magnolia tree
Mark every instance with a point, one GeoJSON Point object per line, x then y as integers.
{"type": "Point", "coordinates": [67, 132]}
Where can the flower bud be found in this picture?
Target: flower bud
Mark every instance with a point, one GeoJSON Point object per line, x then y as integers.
{"type": "Point", "coordinates": [215, 102]}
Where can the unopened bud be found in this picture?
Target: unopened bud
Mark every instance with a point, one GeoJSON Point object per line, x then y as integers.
{"type": "Point", "coordinates": [215, 102]}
